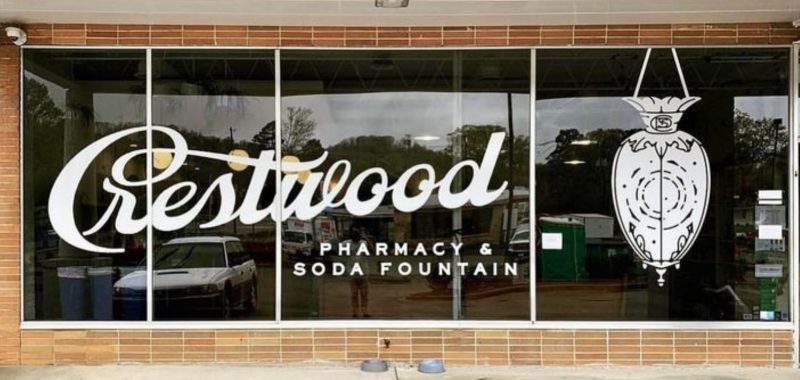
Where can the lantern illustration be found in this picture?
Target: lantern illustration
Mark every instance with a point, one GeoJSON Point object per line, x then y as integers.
{"type": "Point", "coordinates": [660, 181]}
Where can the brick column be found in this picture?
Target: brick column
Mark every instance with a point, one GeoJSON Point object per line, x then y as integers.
{"type": "Point", "coordinates": [9, 205]}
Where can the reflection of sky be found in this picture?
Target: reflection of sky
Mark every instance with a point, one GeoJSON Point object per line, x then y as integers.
{"type": "Point", "coordinates": [591, 113]}
{"type": "Point", "coordinates": [341, 116]}
{"type": "Point", "coordinates": [759, 107]}
{"type": "Point", "coordinates": [214, 115]}
{"type": "Point", "coordinates": [584, 114]}
{"type": "Point", "coordinates": [338, 116]}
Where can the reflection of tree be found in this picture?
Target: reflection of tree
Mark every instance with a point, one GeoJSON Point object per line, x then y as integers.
{"type": "Point", "coordinates": [45, 122]}
{"type": "Point", "coordinates": [760, 147]}
{"type": "Point", "coordinates": [265, 138]}
{"type": "Point", "coordinates": [297, 131]}
{"type": "Point", "coordinates": [394, 156]}
{"type": "Point", "coordinates": [310, 150]}
{"type": "Point", "coordinates": [587, 188]}
{"type": "Point", "coordinates": [475, 138]}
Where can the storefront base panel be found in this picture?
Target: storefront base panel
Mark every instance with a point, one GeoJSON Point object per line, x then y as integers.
{"type": "Point", "coordinates": [458, 347]}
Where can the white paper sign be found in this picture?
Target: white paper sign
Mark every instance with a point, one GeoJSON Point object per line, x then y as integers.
{"type": "Point", "coordinates": [770, 231]}
{"type": "Point", "coordinates": [552, 240]}
{"type": "Point", "coordinates": [770, 215]}
{"type": "Point", "coordinates": [770, 197]}
{"type": "Point", "coordinates": [769, 270]}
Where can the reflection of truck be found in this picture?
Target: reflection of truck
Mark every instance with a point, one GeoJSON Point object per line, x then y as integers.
{"type": "Point", "coordinates": [301, 238]}
{"type": "Point", "coordinates": [519, 246]}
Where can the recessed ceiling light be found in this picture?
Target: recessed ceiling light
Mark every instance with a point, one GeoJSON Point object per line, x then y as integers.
{"type": "Point", "coordinates": [391, 3]}
{"type": "Point", "coordinates": [426, 138]}
{"type": "Point", "coordinates": [575, 162]}
{"type": "Point", "coordinates": [582, 142]}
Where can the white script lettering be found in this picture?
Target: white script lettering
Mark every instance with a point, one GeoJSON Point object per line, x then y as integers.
{"type": "Point", "coordinates": [61, 205]}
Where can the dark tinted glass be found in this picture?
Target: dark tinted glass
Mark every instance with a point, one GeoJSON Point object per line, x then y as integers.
{"type": "Point", "coordinates": [221, 104]}
{"type": "Point", "coordinates": [72, 100]}
{"type": "Point", "coordinates": [731, 271]}
{"type": "Point", "coordinates": [387, 112]}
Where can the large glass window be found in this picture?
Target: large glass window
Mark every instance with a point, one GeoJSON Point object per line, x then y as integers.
{"type": "Point", "coordinates": [661, 184]}
{"type": "Point", "coordinates": [588, 173]}
{"type": "Point", "coordinates": [73, 100]}
{"type": "Point", "coordinates": [210, 260]}
{"type": "Point", "coordinates": [385, 113]}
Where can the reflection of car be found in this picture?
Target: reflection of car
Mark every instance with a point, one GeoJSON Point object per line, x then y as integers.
{"type": "Point", "coordinates": [519, 246]}
{"type": "Point", "coordinates": [196, 274]}
{"type": "Point", "coordinates": [299, 244]}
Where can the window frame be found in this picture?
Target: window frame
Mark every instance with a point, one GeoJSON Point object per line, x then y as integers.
{"type": "Point", "coordinates": [151, 324]}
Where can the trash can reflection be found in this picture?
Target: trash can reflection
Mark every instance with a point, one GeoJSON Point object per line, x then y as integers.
{"type": "Point", "coordinates": [101, 288]}
{"type": "Point", "coordinates": [73, 288]}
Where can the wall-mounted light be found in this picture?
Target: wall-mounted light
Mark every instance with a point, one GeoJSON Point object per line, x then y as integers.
{"type": "Point", "coordinates": [575, 162]}
{"type": "Point", "coordinates": [391, 3]}
{"type": "Point", "coordinates": [236, 166]}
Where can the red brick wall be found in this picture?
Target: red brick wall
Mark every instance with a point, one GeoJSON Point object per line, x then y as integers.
{"type": "Point", "coordinates": [460, 346]}
{"type": "Point", "coordinates": [336, 36]}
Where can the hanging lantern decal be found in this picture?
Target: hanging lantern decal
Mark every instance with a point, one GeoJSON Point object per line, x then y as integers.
{"type": "Point", "coordinates": [660, 181]}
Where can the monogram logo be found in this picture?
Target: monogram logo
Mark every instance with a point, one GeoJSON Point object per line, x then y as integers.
{"type": "Point", "coordinates": [661, 122]}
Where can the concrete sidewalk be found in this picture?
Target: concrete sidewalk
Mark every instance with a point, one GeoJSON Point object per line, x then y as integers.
{"type": "Point", "coordinates": [303, 372]}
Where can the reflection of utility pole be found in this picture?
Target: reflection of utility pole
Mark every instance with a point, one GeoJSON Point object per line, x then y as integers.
{"type": "Point", "coordinates": [510, 206]}
{"type": "Point", "coordinates": [457, 216]}
{"type": "Point", "coordinates": [776, 125]}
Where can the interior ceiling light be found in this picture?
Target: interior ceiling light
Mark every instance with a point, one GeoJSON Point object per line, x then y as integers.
{"type": "Point", "coordinates": [426, 138]}
{"type": "Point", "coordinates": [582, 142]}
{"type": "Point", "coordinates": [391, 3]}
{"type": "Point", "coordinates": [575, 162]}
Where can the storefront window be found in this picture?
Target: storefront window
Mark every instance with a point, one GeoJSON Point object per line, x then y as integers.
{"type": "Point", "coordinates": [404, 189]}
{"type": "Point", "coordinates": [387, 113]}
{"type": "Point", "coordinates": [216, 102]}
{"type": "Point", "coordinates": [72, 100]}
{"type": "Point", "coordinates": [737, 263]}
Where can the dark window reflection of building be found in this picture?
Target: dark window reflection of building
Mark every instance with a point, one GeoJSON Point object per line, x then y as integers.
{"type": "Point", "coordinates": [221, 101]}
{"type": "Point", "coordinates": [412, 121]}
{"type": "Point", "coordinates": [71, 99]}
{"type": "Point", "coordinates": [739, 123]}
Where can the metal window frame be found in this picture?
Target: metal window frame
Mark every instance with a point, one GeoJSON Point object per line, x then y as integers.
{"type": "Point", "coordinates": [532, 323]}
{"type": "Point", "coordinates": [794, 195]}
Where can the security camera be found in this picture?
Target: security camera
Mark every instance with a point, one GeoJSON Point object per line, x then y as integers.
{"type": "Point", "coordinates": [796, 23]}
{"type": "Point", "coordinates": [16, 35]}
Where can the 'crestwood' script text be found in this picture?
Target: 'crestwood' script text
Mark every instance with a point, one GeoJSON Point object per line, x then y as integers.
{"type": "Point", "coordinates": [337, 189]}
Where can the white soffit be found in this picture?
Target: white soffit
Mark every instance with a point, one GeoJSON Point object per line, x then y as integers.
{"type": "Point", "coordinates": [419, 13]}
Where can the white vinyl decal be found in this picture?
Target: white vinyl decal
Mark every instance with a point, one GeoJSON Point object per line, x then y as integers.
{"type": "Point", "coordinates": [335, 182]}
{"type": "Point", "coordinates": [660, 181]}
